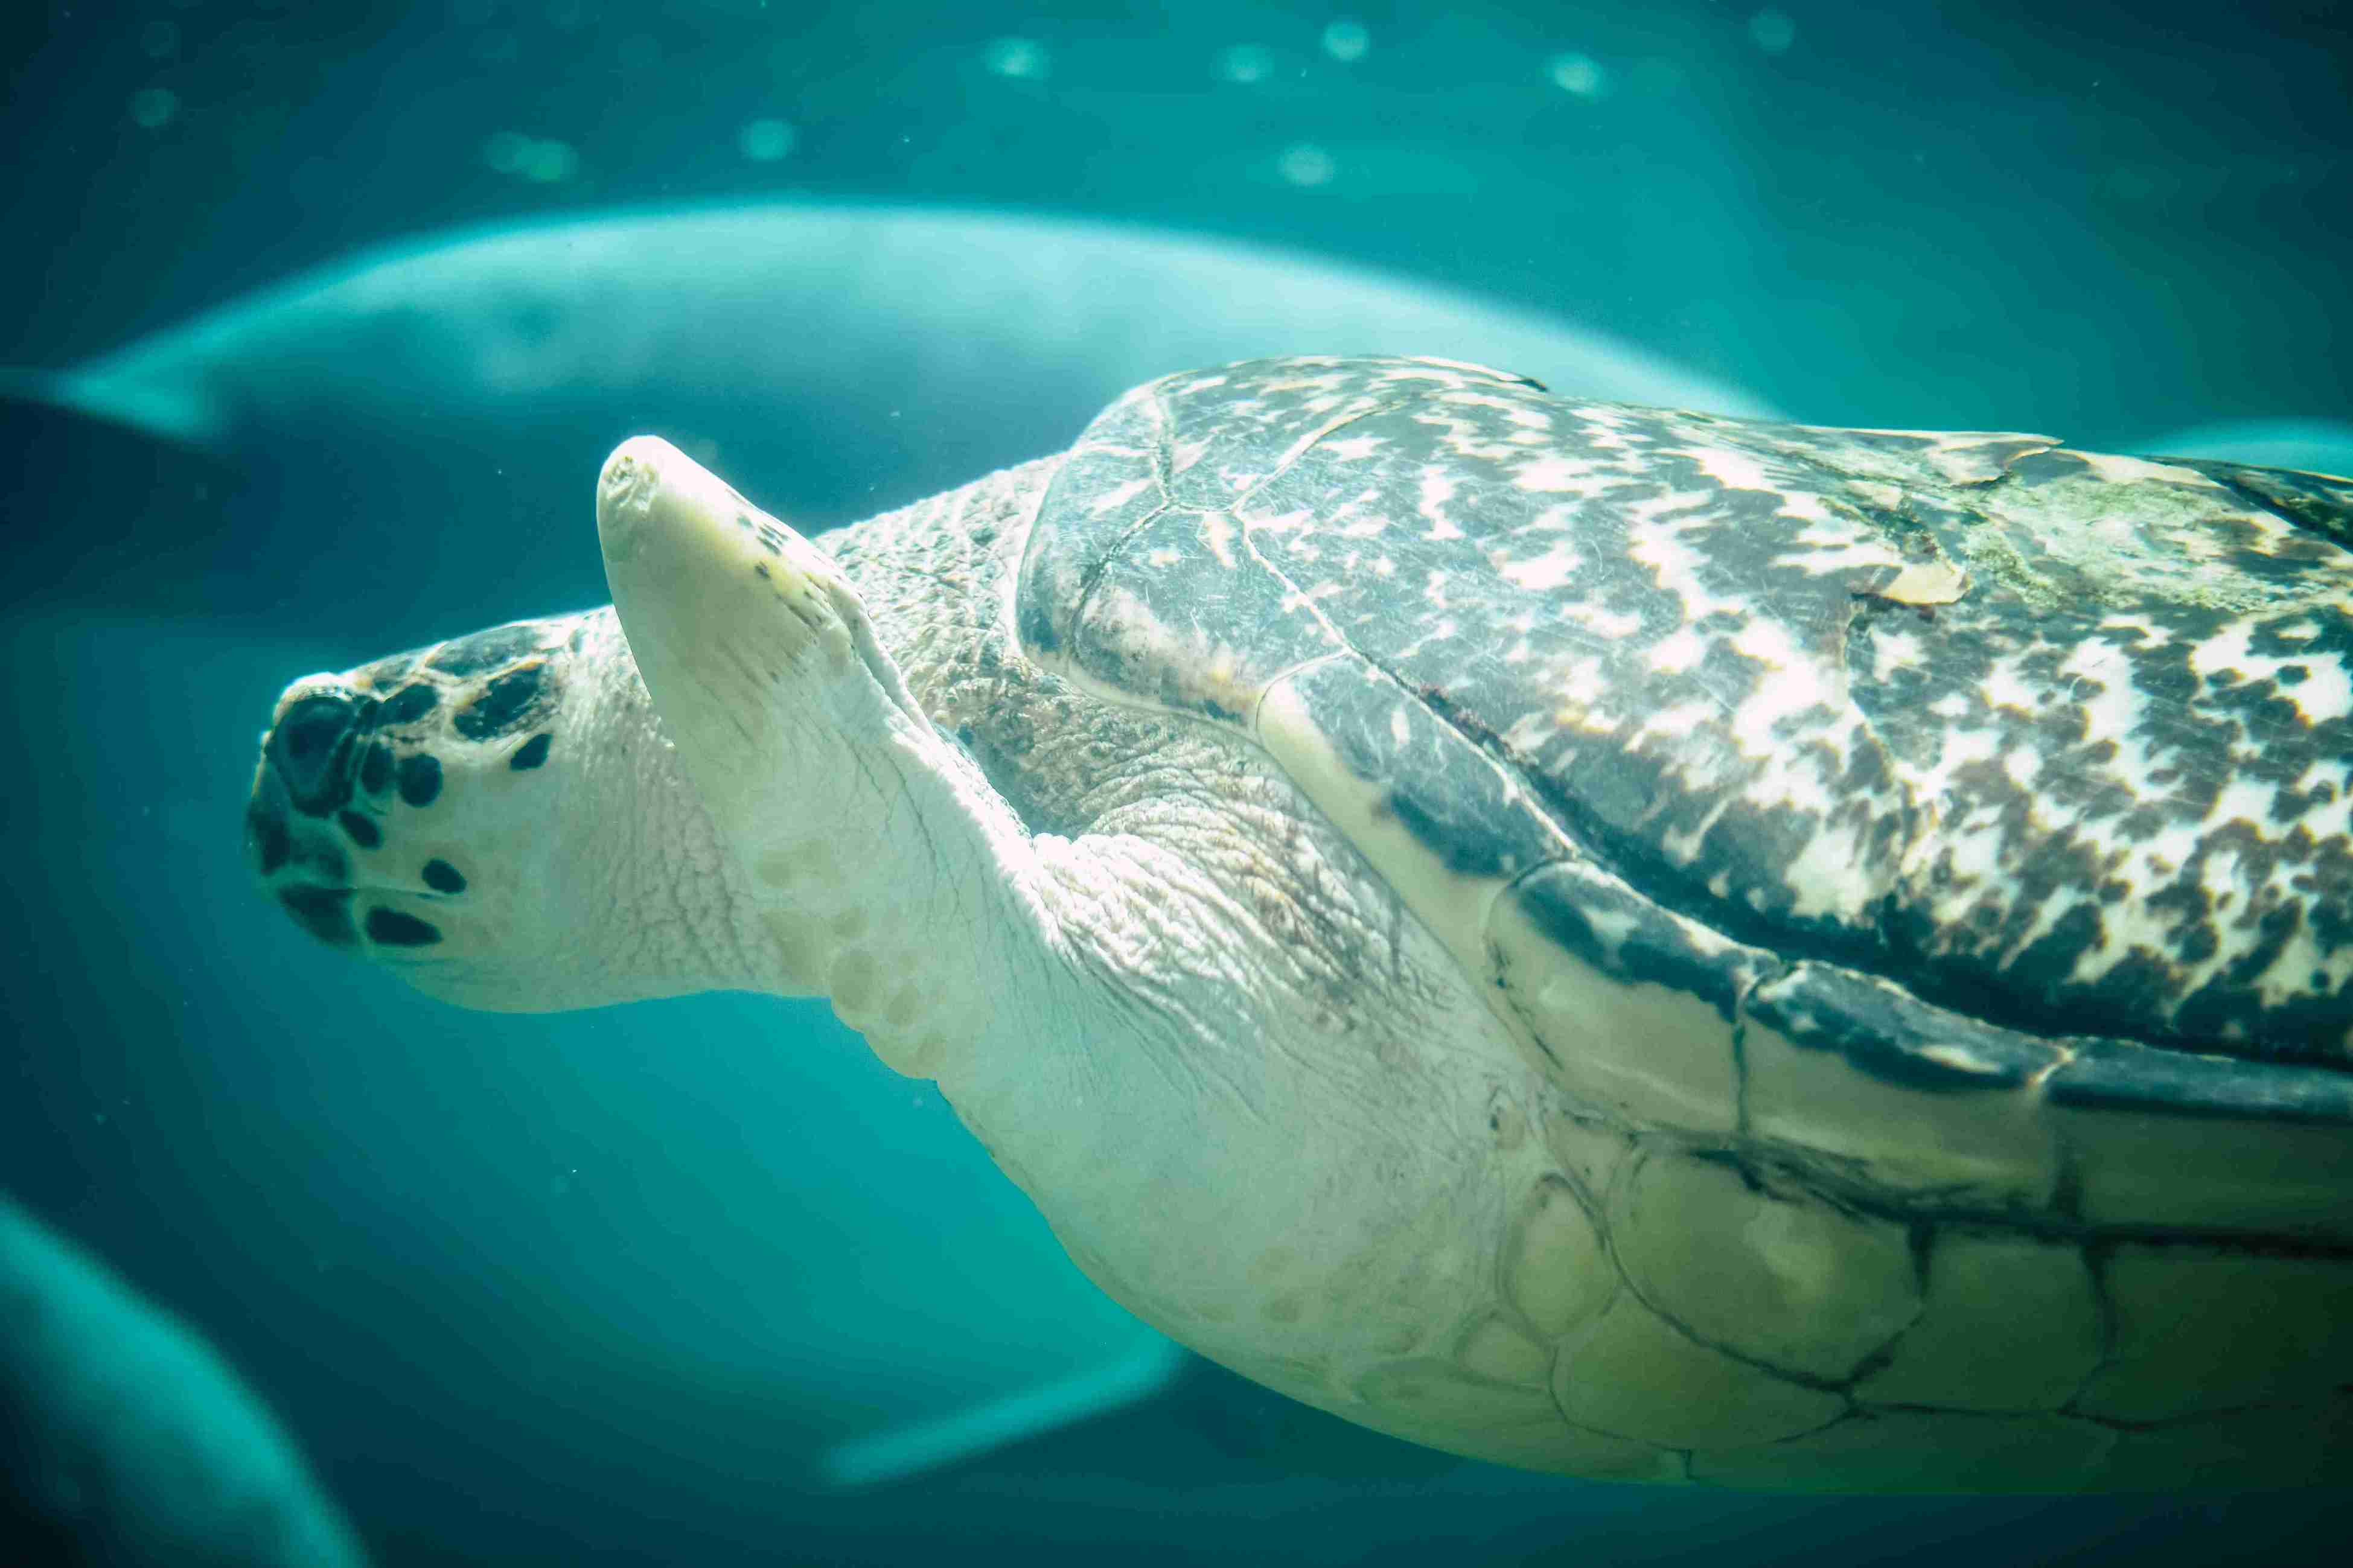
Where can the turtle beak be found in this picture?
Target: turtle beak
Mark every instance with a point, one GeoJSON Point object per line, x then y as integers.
{"type": "Point", "coordinates": [310, 748]}
{"type": "Point", "coordinates": [308, 759]}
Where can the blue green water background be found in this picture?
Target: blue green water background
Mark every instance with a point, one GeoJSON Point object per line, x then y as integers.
{"type": "Point", "coordinates": [609, 1289]}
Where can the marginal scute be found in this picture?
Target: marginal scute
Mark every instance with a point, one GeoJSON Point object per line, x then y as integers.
{"type": "Point", "coordinates": [2011, 1324]}
{"type": "Point", "coordinates": [1632, 1374]}
{"type": "Point", "coordinates": [1300, 722]}
{"type": "Point", "coordinates": [2202, 1331]}
{"type": "Point", "coordinates": [1620, 1000]}
{"type": "Point", "coordinates": [2167, 1139]}
{"type": "Point", "coordinates": [1884, 1031]}
{"type": "Point", "coordinates": [1774, 1274]}
{"type": "Point", "coordinates": [1454, 801]}
{"type": "Point", "coordinates": [1910, 1097]}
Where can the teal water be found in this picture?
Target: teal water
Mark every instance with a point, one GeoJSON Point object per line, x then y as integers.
{"type": "Point", "coordinates": [701, 1281]}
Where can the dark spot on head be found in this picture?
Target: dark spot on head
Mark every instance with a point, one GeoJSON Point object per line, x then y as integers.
{"type": "Point", "coordinates": [502, 704]}
{"type": "Point", "coordinates": [409, 704]}
{"type": "Point", "coordinates": [325, 912]}
{"type": "Point", "coordinates": [390, 928]}
{"type": "Point", "coordinates": [759, 568]}
{"type": "Point", "coordinates": [384, 672]}
{"type": "Point", "coordinates": [420, 778]}
{"type": "Point", "coordinates": [532, 752]}
{"type": "Point", "coordinates": [363, 831]}
{"type": "Point", "coordinates": [310, 748]}
{"type": "Point", "coordinates": [443, 877]}
{"type": "Point", "coordinates": [264, 835]}
{"type": "Point", "coordinates": [487, 650]}
{"type": "Point", "coordinates": [375, 768]}
{"type": "Point", "coordinates": [2292, 674]}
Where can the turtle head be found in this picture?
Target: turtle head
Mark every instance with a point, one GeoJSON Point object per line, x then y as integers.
{"type": "Point", "coordinates": [495, 818]}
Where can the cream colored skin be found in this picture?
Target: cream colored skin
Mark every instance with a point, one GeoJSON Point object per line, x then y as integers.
{"type": "Point", "coordinates": [1259, 1101]}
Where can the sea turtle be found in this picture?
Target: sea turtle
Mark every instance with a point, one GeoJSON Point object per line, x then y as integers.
{"type": "Point", "coordinates": [1639, 943]}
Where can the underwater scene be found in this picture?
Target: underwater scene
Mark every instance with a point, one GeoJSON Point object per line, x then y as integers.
{"type": "Point", "coordinates": [1607, 819]}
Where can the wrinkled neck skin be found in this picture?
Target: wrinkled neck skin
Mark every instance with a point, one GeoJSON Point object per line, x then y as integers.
{"type": "Point", "coordinates": [1193, 1022]}
{"type": "Point", "coordinates": [632, 894]}
{"type": "Point", "coordinates": [1225, 1025]}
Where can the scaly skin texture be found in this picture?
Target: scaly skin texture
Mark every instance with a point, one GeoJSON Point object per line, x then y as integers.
{"type": "Point", "coordinates": [1267, 1109]}
{"type": "Point", "coordinates": [474, 814]}
{"type": "Point", "coordinates": [1176, 992]}
{"type": "Point", "coordinates": [1638, 1304]}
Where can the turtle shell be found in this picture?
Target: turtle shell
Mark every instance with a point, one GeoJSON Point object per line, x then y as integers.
{"type": "Point", "coordinates": [1965, 818]}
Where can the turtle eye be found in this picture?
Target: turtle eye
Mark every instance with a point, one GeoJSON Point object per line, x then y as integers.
{"type": "Point", "coordinates": [306, 747]}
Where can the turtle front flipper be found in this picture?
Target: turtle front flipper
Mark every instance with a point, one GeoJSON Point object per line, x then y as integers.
{"type": "Point", "coordinates": [877, 854]}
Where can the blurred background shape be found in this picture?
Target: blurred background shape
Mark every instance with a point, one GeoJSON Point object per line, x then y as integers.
{"type": "Point", "coordinates": [125, 1439]}
{"type": "Point", "coordinates": [658, 1284]}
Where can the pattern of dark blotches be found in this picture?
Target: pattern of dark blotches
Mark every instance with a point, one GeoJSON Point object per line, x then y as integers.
{"type": "Point", "coordinates": [487, 650]}
{"type": "Point", "coordinates": [420, 778]}
{"type": "Point", "coordinates": [410, 704]}
{"type": "Point", "coordinates": [375, 768]}
{"type": "Point", "coordinates": [391, 927]}
{"type": "Point", "coordinates": [2061, 741]}
{"type": "Point", "coordinates": [311, 752]}
{"type": "Point", "coordinates": [510, 701]}
{"type": "Point", "coordinates": [325, 912]}
{"type": "Point", "coordinates": [358, 738]}
{"type": "Point", "coordinates": [387, 671]}
{"type": "Point", "coordinates": [266, 834]}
